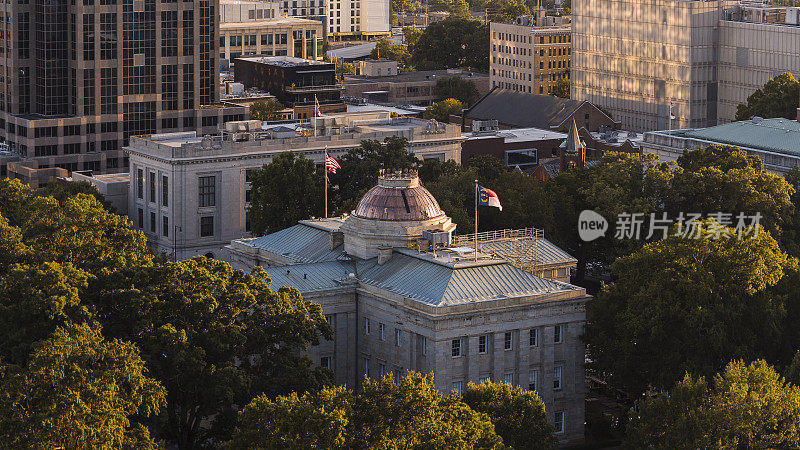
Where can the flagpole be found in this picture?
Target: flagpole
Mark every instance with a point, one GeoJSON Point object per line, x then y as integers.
{"type": "Point", "coordinates": [476, 220]}
{"type": "Point", "coordinates": [315, 131]}
{"type": "Point", "coordinates": [325, 169]}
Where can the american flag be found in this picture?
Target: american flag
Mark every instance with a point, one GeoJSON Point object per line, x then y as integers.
{"type": "Point", "coordinates": [317, 112]}
{"type": "Point", "coordinates": [331, 164]}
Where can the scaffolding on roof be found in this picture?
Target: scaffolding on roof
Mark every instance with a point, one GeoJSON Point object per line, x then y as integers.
{"type": "Point", "coordinates": [521, 247]}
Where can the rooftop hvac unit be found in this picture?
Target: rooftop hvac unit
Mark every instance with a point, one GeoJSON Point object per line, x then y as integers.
{"type": "Point", "coordinates": [235, 89]}
{"type": "Point", "coordinates": [243, 126]}
{"type": "Point", "coordinates": [483, 126]}
{"type": "Point", "coordinates": [437, 237]}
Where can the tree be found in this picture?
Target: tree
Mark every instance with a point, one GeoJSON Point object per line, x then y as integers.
{"type": "Point", "coordinates": [284, 191]}
{"type": "Point", "coordinates": [268, 109]}
{"type": "Point", "coordinates": [77, 390]}
{"type": "Point", "coordinates": [457, 88]}
{"type": "Point", "coordinates": [61, 190]}
{"type": "Point", "coordinates": [384, 49]}
{"type": "Point", "coordinates": [506, 10]}
{"type": "Point", "coordinates": [724, 178]}
{"type": "Point", "coordinates": [359, 172]}
{"type": "Point", "coordinates": [518, 415]}
{"type": "Point", "coordinates": [747, 406]}
{"type": "Point", "coordinates": [561, 89]}
{"type": "Point", "coordinates": [411, 36]}
{"type": "Point", "coordinates": [442, 110]}
{"type": "Point", "coordinates": [778, 98]}
{"type": "Point", "coordinates": [215, 337]}
{"type": "Point", "coordinates": [457, 8]}
{"type": "Point", "coordinates": [410, 413]}
{"type": "Point", "coordinates": [452, 43]}
{"type": "Point", "coordinates": [688, 305]}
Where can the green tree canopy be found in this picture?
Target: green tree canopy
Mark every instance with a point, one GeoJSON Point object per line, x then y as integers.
{"type": "Point", "coordinates": [778, 98]}
{"type": "Point", "coordinates": [284, 191]}
{"type": "Point", "coordinates": [687, 305]}
{"type": "Point", "coordinates": [442, 110]}
{"type": "Point", "coordinates": [518, 415]}
{"type": "Point", "coordinates": [747, 406]}
{"type": "Point", "coordinates": [506, 10]}
{"type": "Point", "coordinates": [387, 414]}
{"type": "Point", "coordinates": [268, 109]}
{"type": "Point", "coordinates": [385, 49]}
{"type": "Point", "coordinates": [77, 390]}
{"type": "Point", "coordinates": [216, 337]}
{"type": "Point", "coordinates": [457, 8]}
{"type": "Point", "coordinates": [457, 88]}
{"type": "Point", "coordinates": [452, 43]}
{"type": "Point", "coordinates": [561, 89]}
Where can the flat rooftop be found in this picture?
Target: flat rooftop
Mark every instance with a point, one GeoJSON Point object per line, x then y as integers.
{"type": "Point", "coordinates": [278, 21]}
{"type": "Point", "coordinates": [773, 135]}
{"type": "Point", "coordinates": [425, 75]}
{"type": "Point", "coordinates": [283, 61]}
{"type": "Point", "coordinates": [519, 135]}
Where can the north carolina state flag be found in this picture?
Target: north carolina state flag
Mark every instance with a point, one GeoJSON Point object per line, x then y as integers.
{"type": "Point", "coordinates": [487, 197]}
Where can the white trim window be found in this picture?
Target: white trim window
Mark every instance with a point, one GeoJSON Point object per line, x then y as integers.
{"type": "Point", "coordinates": [558, 334]}
{"type": "Point", "coordinates": [456, 386]}
{"type": "Point", "coordinates": [508, 341]}
{"type": "Point", "coordinates": [482, 343]}
{"type": "Point", "coordinates": [533, 340]}
{"type": "Point", "coordinates": [557, 372]}
{"type": "Point", "coordinates": [382, 331]}
{"type": "Point", "coordinates": [533, 379]}
{"type": "Point", "coordinates": [559, 422]}
{"type": "Point", "coordinates": [455, 348]}
{"type": "Point", "coordinates": [398, 337]}
{"type": "Point", "coordinates": [509, 378]}
{"type": "Point", "coordinates": [366, 325]}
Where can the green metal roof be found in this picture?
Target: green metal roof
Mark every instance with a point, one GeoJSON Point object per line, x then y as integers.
{"type": "Point", "coordinates": [773, 135]}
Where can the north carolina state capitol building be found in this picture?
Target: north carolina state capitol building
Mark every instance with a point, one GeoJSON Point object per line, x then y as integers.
{"type": "Point", "coordinates": [403, 292]}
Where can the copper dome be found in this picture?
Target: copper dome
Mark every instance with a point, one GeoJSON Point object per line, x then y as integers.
{"type": "Point", "coordinates": [398, 197]}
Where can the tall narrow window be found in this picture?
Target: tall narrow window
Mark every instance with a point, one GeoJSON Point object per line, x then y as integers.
{"type": "Point", "coordinates": [533, 341]}
{"type": "Point", "coordinates": [164, 191]}
{"type": "Point", "coordinates": [455, 348]}
{"type": "Point", "coordinates": [152, 187]}
{"type": "Point", "coordinates": [207, 226]}
{"type": "Point", "coordinates": [557, 377]}
{"type": "Point", "coordinates": [207, 191]}
{"type": "Point", "coordinates": [533, 379]}
{"type": "Point", "coordinates": [139, 183]}
{"type": "Point", "coordinates": [558, 423]}
{"type": "Point", "coordinates": [508, 341]}
{"type": "Point", "coordinates": [482, 344]}
{"type": "Point", "coordinates": [558, 334]}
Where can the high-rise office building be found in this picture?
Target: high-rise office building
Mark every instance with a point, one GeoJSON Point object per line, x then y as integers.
{"type": "Point", "coordinates": [81, 77]}
{"type": "Point", "coordinates": [635, 58]}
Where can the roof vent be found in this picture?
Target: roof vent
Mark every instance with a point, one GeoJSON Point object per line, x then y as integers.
{"type": "Point", "coordinates": [757, 120]}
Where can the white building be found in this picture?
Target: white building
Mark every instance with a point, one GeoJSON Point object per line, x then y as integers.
{"type": "Point", "coordinates": [189, 193]}
{"type": "Point", "coordinates": [505, 313]}
{"type": "Point", "coordinates": [634, 58]}
{"type": "Point", "coordinates": [357, 18]}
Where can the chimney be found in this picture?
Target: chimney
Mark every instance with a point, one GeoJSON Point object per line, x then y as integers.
{"type": "Point", "coordinates": [384, 254]}
{"type": "Point", "coordinates": [337, 239]}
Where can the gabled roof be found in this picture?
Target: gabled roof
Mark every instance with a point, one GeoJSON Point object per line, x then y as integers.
{"type": "Point", "coordinates": [300, 243]}
{"type": "Point", "coordinates": [522, 110]}
{"type": "Point", "coordinates": [420, 280]}
{"type": "Point", "coordinates": [573, 144]}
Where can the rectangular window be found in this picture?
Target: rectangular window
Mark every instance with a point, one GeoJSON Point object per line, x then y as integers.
{"type": "Point", "coordinates": [140, 183]}
{"type": "Point", "coordinates": [382, 329]}
{"type": "Point", "coordinates": [164, 190]}
{"type": "Point", "coordinates": [207, 191]}
{"type": "Point", "coordinates": [366, 326]}
{"type": "Point", "coordinates": [152, 222]}
{"type": "Point", "coordinates": [424, 345]}
{"type": "Point", "coordinates": [165, 226]}
{"type": "Point", "coordinates": [558, 423]}
{"type": "Point", "coordinates": [455, 348]}
{"type": "Point", "coordinates": [381, 369]}
{"type": "Point", "coordinates": [533, 379]}
{"type": "Point", "coordinates": [508, 341]}
{"type": "Point", "coordinates": [456, 386]}
{"type": "Point", "coordinates": [152, 187]}
{"type": "Point", "coordinates": [557, 334]}
{"type": "Point", "coordinates": [482, 344]}
{"type": "Point", "coordinates": [141, 218]}
{"type": "Point", "coordinates": [534, 337]}
{"type": "Point", "coordinates": [366, 366]}
{"type": "Point", "coordinates": [325, 362]}
{"type": "Point", "coordinates": [398, 337]}
{"type": "Point", "coordinates": [508, 378]}
{"type": "Point", "coordinates": [207, 226]}
{"type": "Point", "coordinates": [557, 377]}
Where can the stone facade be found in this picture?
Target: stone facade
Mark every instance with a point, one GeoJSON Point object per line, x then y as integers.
{"type": "Point", "coordinates": [463, 317]}
{"type": "Point", "coordinates": [167, 172]}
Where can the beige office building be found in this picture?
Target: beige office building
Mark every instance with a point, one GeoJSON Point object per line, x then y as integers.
{"type": "Point", "coordinates": [528, 58]}
{"type": "Point", "coordinates": [286, 36]}
{"type": "Point", "coordinates": [635, 58]}
{"type": "Point", "coordinates": [352, 19]}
